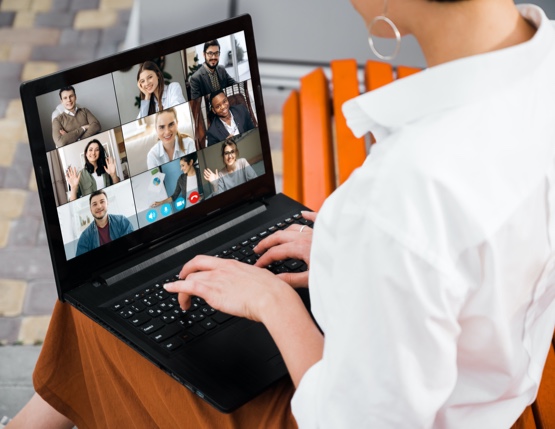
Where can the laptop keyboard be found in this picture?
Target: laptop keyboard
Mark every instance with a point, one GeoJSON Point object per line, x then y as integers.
{"type": "Point", "coordinates": [156, 313]}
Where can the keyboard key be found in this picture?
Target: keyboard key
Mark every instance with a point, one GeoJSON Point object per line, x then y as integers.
{"type": "Point", "coordinates": [220, 317]}
{"type": "Point", "coordinates": [172, 344]}
{"type": "Point", "coordinates": [118, 306]}
{"type": "Point", "coordinates": [208, 324]}
{"type": "Point", "coordinates": [165, 333]}
{"type": "Point", "coordinates": [293, 264]}
{"type": "Point", "coordinates": [137, 307]}
{"type": "Point", "coordinates": [139, 319]}
{"type": "Point", "coordinates": [196, 330]}
{"type": "Point", "coordinates": [126, 313]}
{"type": "Point", "coordinates": [152, 326]}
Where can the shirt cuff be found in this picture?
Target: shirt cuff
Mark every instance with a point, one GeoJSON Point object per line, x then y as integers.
{"type": "Point", "coordinates": [304, 403]}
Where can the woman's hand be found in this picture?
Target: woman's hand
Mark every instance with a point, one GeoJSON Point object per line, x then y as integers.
{"type": "Point", "coordinates": [111, 168]}
{"type": "Point", "coordinates": [294, 242]}
{"type": "Point", "coordinates": [145, 93]}
{"type": "Point", "coordinates": [73, 177]}
{"type": "Point", "coordinates": [210, 176]}
{"type": "Point", "coordinates": [228, 285]}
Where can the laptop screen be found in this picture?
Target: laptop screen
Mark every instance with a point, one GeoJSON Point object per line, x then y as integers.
{"type": "Point", "coordinates": [147, 143]}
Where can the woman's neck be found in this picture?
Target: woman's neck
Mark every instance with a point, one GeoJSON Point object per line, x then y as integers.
{"type": "Point", "coordinates": [467, 28]}
{"type": "Point", "coordinates": [169, 147]}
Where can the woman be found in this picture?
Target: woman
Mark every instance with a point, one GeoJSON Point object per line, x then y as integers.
{"type": "Point", "coordinates": [429, 267]}
{"type": "Point", "coordinates": [188, 183]}
{"type": "Point", "coordinates": [99, 172]}
{"type": "Point", "coordinates": [155, 95]}
{"type": "Point", "coordinates": [171, 144]}
{"type": "Point", "coordinates": [235, 171]}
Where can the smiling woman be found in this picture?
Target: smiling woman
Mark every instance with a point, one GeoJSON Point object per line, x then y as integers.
{"type": "Point", "coordinates": [155, 94]}
{"type": "Point", "coordinates": [171, 144]}
{"type": "Point", "coordinates": [99, 172]}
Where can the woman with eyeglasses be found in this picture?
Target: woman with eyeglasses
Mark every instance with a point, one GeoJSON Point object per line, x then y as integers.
{"type": "Point", "coordinates": [235, 171]}
{"type": "Point", "coordinates": [431, 269]}
{"type": "Point", "coordinates": [155, 94]}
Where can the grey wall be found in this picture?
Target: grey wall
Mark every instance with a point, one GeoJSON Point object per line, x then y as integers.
{"type": "Point", "coordinates": [286, 30]}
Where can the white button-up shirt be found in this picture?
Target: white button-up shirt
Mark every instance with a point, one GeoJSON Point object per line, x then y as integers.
{"type": "Point", "coordinates": [433, 267]}
{"type": "Point", "coordinates": [157, 155]}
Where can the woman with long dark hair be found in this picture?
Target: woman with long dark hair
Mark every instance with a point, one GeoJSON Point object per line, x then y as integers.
{"type": "Point", "coordinates": [155, 94]}
{"type": "Point", "coordinates": [99, 172]}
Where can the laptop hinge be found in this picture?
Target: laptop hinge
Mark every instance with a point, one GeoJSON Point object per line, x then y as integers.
{"type": "Point", "coordinates": [110, 279]}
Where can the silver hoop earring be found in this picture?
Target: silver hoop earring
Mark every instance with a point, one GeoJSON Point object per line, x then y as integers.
{"type": "Point", "coordinates": [395, 31]}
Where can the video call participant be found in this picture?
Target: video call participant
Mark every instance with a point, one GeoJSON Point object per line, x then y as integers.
{"type": "Point", "coordinates": [229, 120]}
{"type": "Point", "coordinates": [155, 94]}
{"type": "Point", "coordinates": [235, 171]}
{"type": "Point", "coordinates": [211, 76]}
{"type": "Point", "coordinates": [188, 183]}
{"type": "Point", "coordinates": [105, 228]}
{"type": "Point", "coordinates": [99, 172]}
{"type": "Point", "coordinates": [74, 123]}
{"type": "Point", "coordinates": [171, 144]}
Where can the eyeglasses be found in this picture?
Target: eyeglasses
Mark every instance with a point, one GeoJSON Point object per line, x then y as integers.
{"type": "Point", "coordinates": [212, 54]}
{"type": "Point", "coordinates": [231, 152]}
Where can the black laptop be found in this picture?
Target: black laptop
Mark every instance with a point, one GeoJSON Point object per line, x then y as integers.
{"type": "Point", "coordinates": [123, 213]}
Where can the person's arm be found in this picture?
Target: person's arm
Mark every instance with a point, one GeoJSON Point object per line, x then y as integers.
{"type": "Point", "coordinates": [212, 177]}
{"type": "Point", "coordinates": [151, 159]}
{"type": "Point", "coordinates": [175, 95]}
{"type": "Point", "coordinates": [393, 352]}
{"type": "Point", "coordinates": [73, 179]}
{"type": "Point", "coordinates": [143, 109]}
{"type": "Point", "coordinates": [93, 124]}
{"type": "Point", "coordinates": [212, 133]}
{"type": "Point", "coordinates": [255, 293]}
{"type": "Point", "coordinates": [159, 203]}
{"type": "Point", "coordinates": [247, 124]}
{"type": "Point", "coordinates": [177, 190]}
{"type": "Point", "coordinates": [83, 245]}
{"type": "Point", "coordinates": [62, 136]}
{"type": "Point", "coordinates": [111, 170]}
{"type": "Point", "coordinates": [248, 170]}
{"type": "Point", "coordinates": [189, 144]}
{"type": "Point", "coordinates": [195, 83]}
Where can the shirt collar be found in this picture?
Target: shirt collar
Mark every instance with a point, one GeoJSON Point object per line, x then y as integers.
{"type": "Point", "coordinates": [72, 113]}
{"type": "Point", "coordinates": [451, 84]}
{"type": "Point", "coordinates": [162, 152]}
{"type": "Point", "coordinates": [208, 69]}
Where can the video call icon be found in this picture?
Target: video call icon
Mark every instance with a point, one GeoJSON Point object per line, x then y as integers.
{"type": "Point", "coordinates": [179, 203]}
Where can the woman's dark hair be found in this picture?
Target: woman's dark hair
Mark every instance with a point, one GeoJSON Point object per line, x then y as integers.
{"type": "Point", "coordinates": [101, 163]}
{"type": "Point", "coordinates": [150, 65]}
{"type": "Point", "coordinates": [189, 157]}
